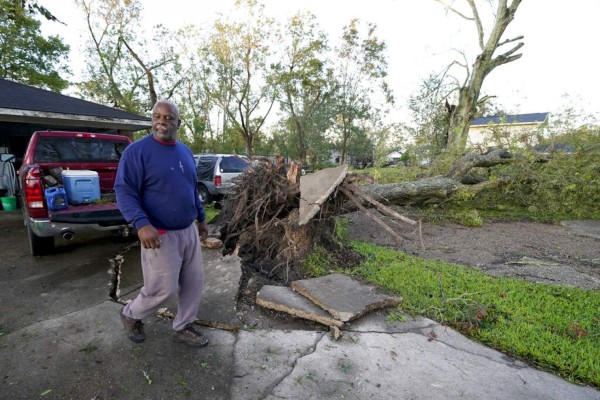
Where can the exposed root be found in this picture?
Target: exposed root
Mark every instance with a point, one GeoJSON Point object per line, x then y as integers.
{"type": "Point", "coordinates": [261, 220]}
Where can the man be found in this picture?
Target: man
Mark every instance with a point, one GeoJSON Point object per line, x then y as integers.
{"type": "Point", "coordinates": [157, 193]}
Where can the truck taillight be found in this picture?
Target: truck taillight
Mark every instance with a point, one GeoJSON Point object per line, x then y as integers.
{"type": "Point", "coordinates": [34, 193]}
{"type": "Point", "coordinates": [85, 135]}
{"type": "Point", "coordinates": [218, 180]}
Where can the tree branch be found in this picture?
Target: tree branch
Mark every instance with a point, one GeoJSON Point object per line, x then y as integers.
{"type": "Point", "coordinates": [472, 160]}
{"type": "Point", "coordinates": [477, 23]}
{"type": "Point", "coordinates": [357, 203]}
{"type": "Point", "coordinates": [148, 71]}
{"type": "Point", "coordinates": [450, 8]}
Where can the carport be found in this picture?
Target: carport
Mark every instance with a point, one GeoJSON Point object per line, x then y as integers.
{"type": "Point", "coordinates": [26, 109]}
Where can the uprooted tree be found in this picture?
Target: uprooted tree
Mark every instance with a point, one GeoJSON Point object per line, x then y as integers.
{"type": "Point", "coordinates": [272, 224]}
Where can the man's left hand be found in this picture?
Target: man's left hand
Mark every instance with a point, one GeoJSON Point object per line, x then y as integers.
{"type": "Point", "coordinates": [203, 229]}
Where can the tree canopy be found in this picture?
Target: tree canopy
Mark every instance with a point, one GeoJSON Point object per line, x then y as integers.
{"type": "Point", "coordinates": [233, 76]}
{"type": "Point", "coordinates": [26, 56]}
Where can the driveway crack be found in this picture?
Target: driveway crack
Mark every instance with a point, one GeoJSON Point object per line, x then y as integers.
{"type": "Point", "coordinates": [269, 389]}
{"type": "Point", "coordinates": [114, 272]}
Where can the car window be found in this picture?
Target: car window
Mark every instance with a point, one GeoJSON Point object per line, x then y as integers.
{"type": "Point", "coordinates": [232, 164]}
{"type": "Point", "coordinates": [205, 168]}
{"type": "Point", "coordinates": [75, 149]}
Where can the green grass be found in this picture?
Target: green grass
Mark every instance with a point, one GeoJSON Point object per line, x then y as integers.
{"type": "Point", "coordinates": [210, 212]}
{"type": "Point", "coordinates": [556, 328]}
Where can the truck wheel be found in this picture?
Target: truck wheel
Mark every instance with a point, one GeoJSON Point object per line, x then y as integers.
{"type": "Point", "coordinates": [204, 194]}
{"type": "Point", "coordinates": [38, 245]}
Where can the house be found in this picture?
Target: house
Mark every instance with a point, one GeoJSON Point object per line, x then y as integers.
{"type": "Point", "coordinates": [394, 157]}
{"type": "Point", "coordinates": [505, 130]}
{"type": "Point", "coordinates": [26, 109]}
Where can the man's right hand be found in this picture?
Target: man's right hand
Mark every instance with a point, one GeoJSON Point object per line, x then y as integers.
{"type": "Point", "coordinates": [149, 237]}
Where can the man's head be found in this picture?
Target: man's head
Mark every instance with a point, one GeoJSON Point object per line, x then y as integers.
{"type": "Point", "coordinates": [165, 120]}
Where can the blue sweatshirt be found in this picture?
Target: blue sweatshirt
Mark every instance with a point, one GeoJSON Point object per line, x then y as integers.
{"type": "Point", "coordinates": [156, 185]}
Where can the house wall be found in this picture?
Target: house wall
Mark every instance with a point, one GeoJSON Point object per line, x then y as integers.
{"type": "Point", "coordinates": [521, 135]}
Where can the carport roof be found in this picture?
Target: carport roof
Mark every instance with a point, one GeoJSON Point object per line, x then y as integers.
{"type": "Point", "coordinates": [22, 103]}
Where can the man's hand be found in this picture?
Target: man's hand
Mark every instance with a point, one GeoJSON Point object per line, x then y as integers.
{"type": "Point", "coordinates": [203, 229]}
{"type": "Point", "coordinates": [149, 238]}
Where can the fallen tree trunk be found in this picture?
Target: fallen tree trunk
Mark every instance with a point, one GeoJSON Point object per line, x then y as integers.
{"type": "Point", "coordinates": [439, 187]}
{"type": "Point", "coordinates": [273, 225]}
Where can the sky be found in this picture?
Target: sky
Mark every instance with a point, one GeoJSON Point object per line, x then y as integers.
{"type": "Point", "coordinates": [558, 68]}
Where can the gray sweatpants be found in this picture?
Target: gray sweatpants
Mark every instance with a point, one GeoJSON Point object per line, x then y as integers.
{"type": "Point", "coordinates": [173, 269]}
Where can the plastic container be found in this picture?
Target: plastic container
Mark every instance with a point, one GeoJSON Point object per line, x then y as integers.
{"type": "Point", "coordinates": [9, 203]}
{"type": "Point", "coordinates": [56, 197]}
{"type": "Point", "coordinates": [81, 186]}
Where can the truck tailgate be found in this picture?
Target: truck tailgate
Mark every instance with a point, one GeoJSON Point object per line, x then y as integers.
{"type": "Point", "coordinates": [102, 214]}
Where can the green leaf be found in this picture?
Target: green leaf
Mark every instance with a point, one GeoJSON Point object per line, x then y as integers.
{"type": "Point", "coordinates": [89, 348]}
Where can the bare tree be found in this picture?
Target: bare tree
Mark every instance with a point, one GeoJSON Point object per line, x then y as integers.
{"type": "Point", "coordinates": [469, 92]}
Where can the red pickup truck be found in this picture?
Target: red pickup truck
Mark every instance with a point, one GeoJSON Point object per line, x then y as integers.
{"type": "Point", "coordinates": [52, 151]}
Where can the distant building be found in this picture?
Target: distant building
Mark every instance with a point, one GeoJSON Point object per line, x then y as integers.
{"type": "Point", "coordinates": [394, 157]}
{"type": "Point", "coordinates": [503, 130]}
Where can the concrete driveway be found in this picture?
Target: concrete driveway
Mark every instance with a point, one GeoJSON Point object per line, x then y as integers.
{"type": "Point", "coordinates": [61, 338]}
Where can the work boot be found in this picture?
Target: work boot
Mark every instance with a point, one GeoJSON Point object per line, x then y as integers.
{"type": "Point", "coordinates": [134, 329]}
{"type": "Point", "coordinates": [190, 336]}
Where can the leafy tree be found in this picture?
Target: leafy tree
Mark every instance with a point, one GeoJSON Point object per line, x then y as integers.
{"type": "Point", "coordinates": [34, 6]}
{"type": "Point", "coordinates": [242, 85]}
{"type": "Point", "coordinates": [25, 55]}
{"type": "Point", "coordinates": [121, 71]}
{"type": "Point", "coordinates": [360, 74]}
{"type": "Point", "coordinates": [429, 113]}
{"type": "Point", "coordinates": [194, 102]}
{"type": "Point", "coordinates": [306, 85]}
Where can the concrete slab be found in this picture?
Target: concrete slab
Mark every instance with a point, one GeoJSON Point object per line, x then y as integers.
{"type": "Point", "coordinates": [411, 366]}
{"type": "Point", "coordinates": [316, 188]}
{"type": "Point", "coordinates": [284, 299]}
{"type": "Point", "coordinates": [86, 355]}
{"type": "Point", "coordinates": [589, 228]}
{"type": "Point", "coordinates": [265, 358]}
{"type": "Point", "coordinates": [219, 298]}
{"type": "Point", "coordinates": [343, 296]}
{"type": "Point", "coordinates": [377, 322]}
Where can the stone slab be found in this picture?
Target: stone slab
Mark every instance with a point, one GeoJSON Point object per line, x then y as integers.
{"type": "Point", "coordinates": [284, 299]}
{"type": "Point", "coordinates": [316, 188]}
{"type": "Point", "coordinates": [343, 296]}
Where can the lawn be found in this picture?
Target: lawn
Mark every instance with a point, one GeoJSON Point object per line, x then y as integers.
{"type": "Point", "coordinates": [556, 328]}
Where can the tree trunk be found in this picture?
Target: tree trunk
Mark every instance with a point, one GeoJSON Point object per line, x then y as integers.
{"type": "Point", "coordinates": [468, 98]}
{"type": "Point", "coordinates": [439, 187]}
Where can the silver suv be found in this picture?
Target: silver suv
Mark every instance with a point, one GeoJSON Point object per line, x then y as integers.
{"type": "Point", "coordinates": [216, 173]}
